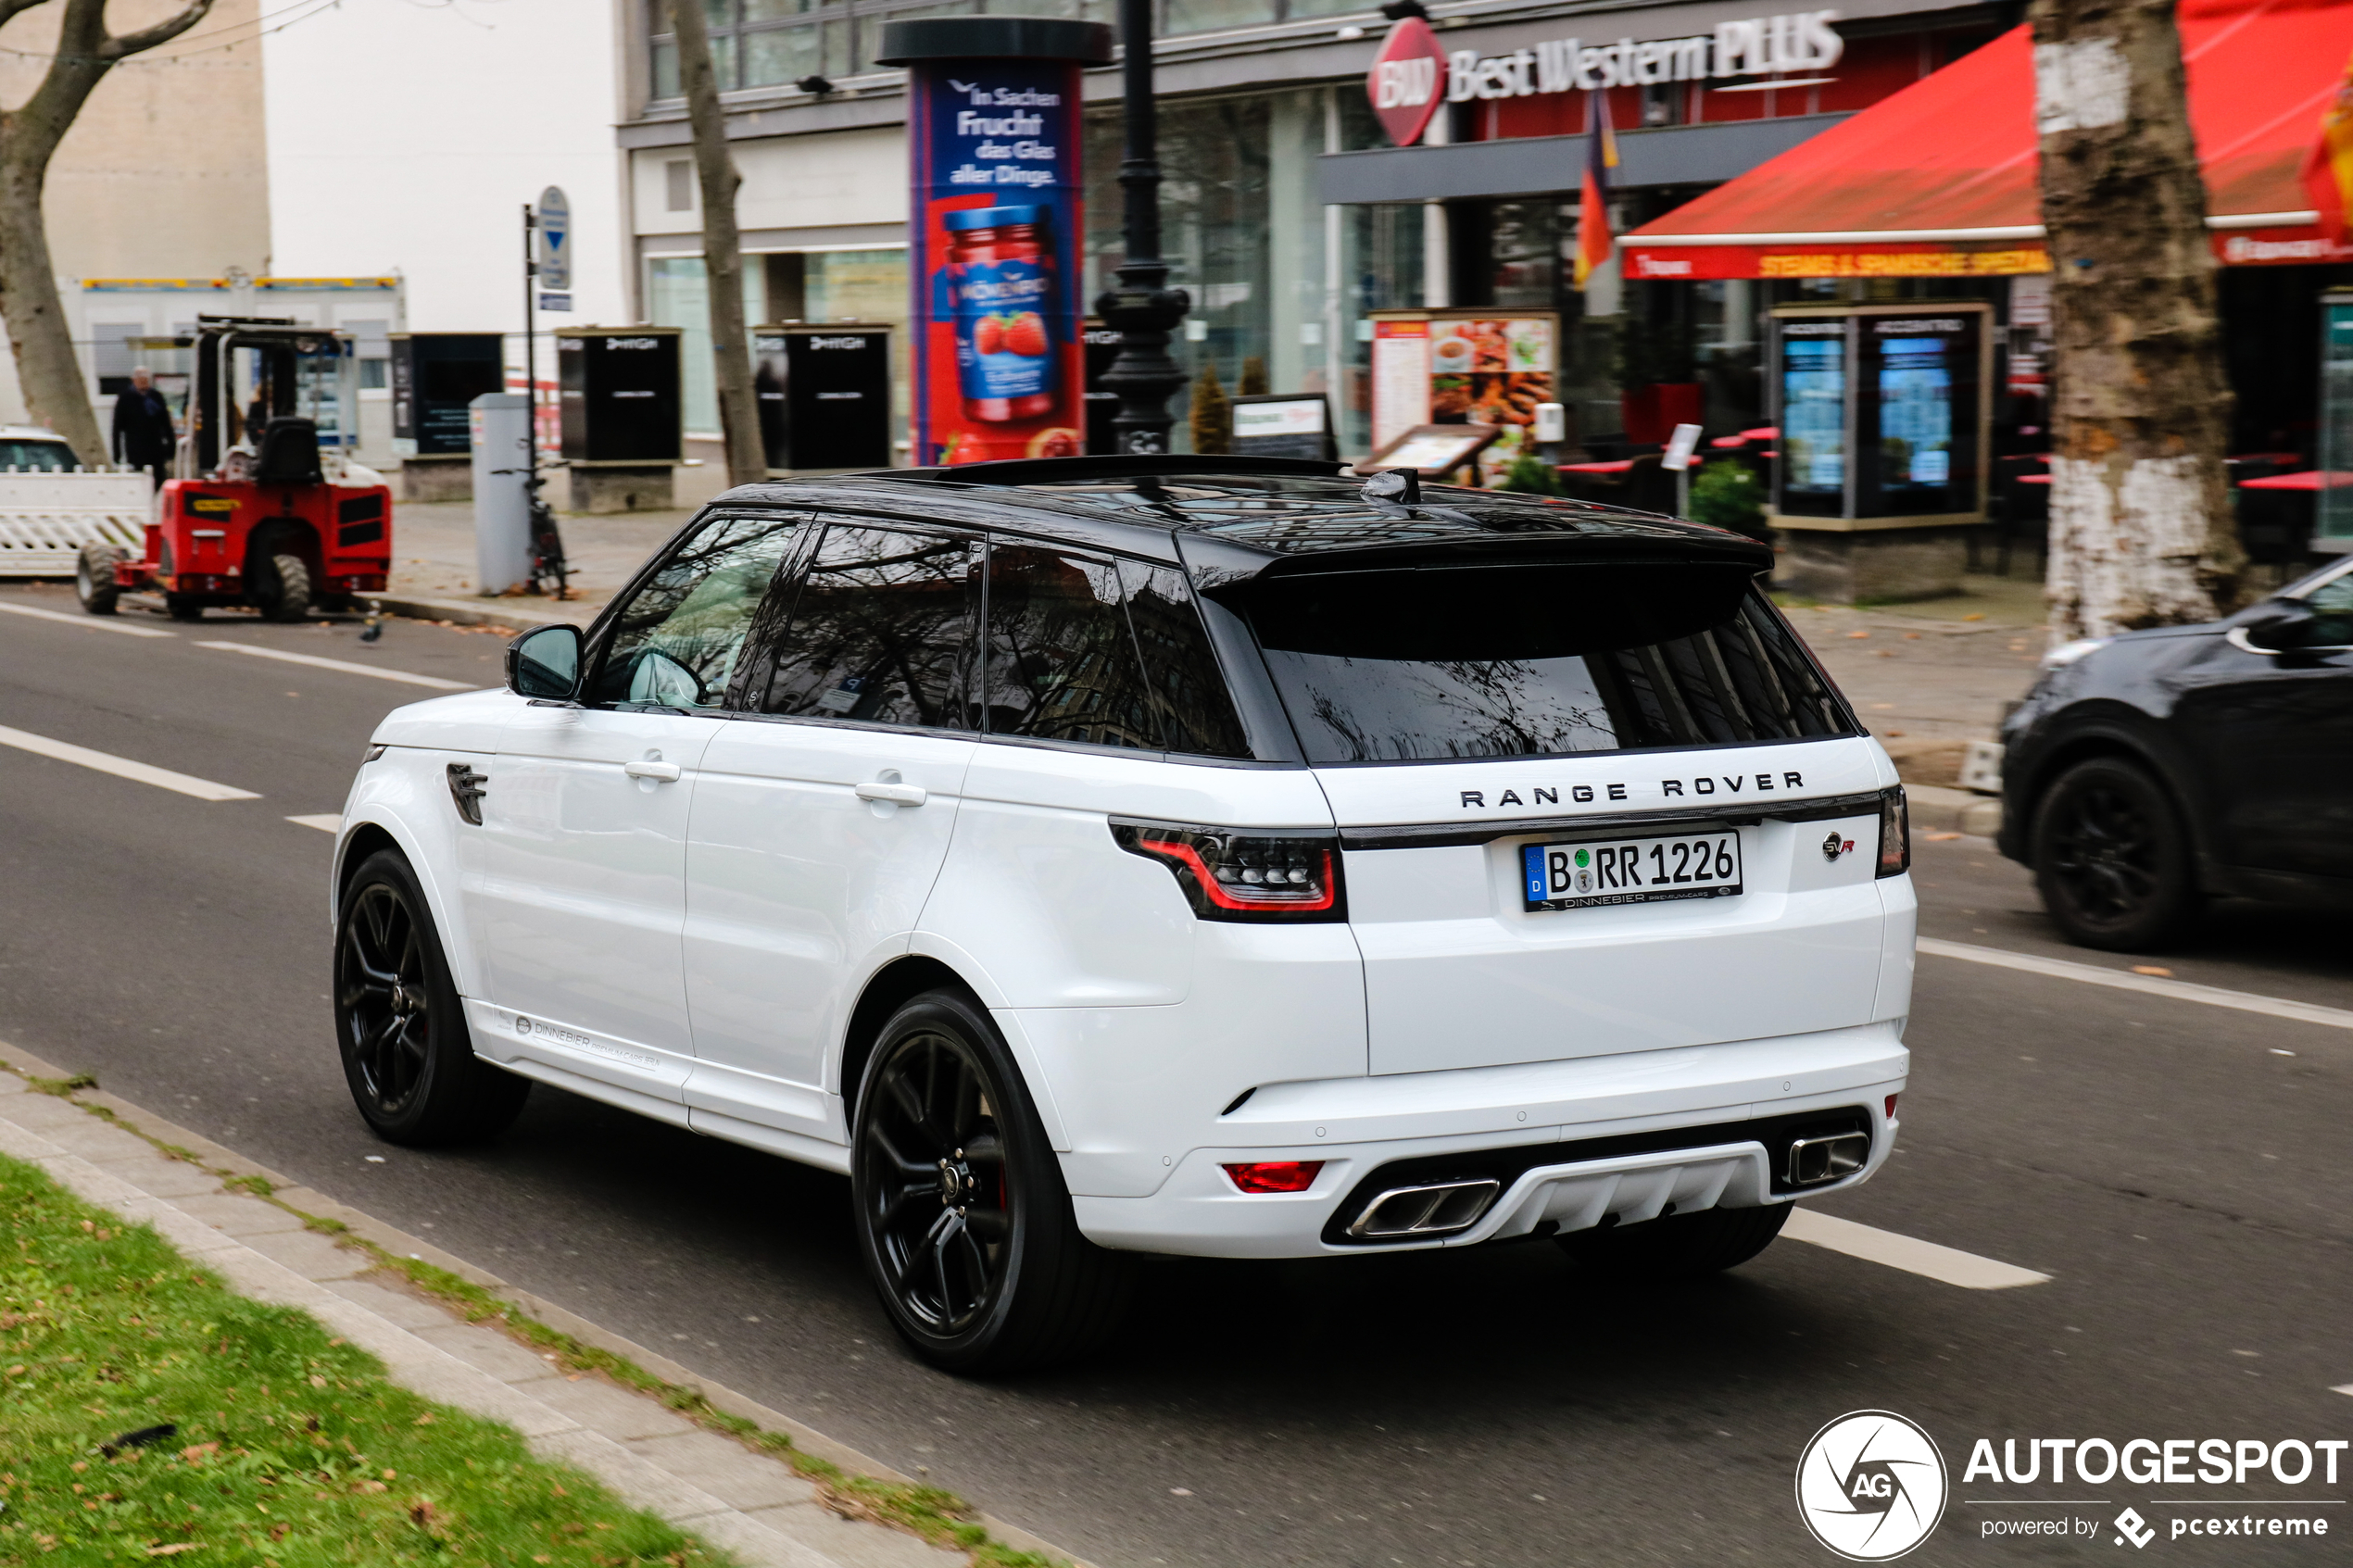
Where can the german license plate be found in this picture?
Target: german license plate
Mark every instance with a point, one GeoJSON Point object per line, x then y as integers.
{"type": "Point", "coordinates": [1630, 871]}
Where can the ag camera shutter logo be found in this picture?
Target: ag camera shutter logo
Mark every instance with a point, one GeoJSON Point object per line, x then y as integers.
{"type": "Point", "coordinates": [1872, 1485]}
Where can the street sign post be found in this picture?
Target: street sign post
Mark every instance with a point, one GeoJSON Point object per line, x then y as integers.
{"type": "Point", "coordinates": [555, 250]}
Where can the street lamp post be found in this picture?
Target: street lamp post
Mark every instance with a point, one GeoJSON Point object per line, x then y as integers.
{"type": "Point", "coordinates": [1141, 307]}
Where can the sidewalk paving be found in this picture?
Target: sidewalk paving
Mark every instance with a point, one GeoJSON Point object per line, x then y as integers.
{"type": "Point", "coordinates": [740, 1499]}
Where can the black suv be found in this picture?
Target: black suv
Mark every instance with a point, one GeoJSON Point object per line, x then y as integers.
{"type": "Point", "coordinates": [2146, 772]}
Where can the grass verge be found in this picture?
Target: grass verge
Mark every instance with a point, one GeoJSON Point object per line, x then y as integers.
{"type": "Point", "coordinates": [935, 1515]}
{"type": "Point", "coordinates": [288, 1448]}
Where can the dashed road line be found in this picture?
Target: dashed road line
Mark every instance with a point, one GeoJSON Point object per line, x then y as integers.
{"type": "Point", "coordinates": [1913, 1256]}
{"type": "Point", "coordinates": [327, 822]}
{"type": "Point", "coordinates": [2147, 985]}
{"type": "Point", "coordinates": [93, 623]}
{"type": "Point", "coordinates": [347, 666]}
{"type": "Point", "coordinates": [122, 767]}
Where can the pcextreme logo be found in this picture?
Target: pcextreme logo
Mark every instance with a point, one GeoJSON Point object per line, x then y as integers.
{"type": "Point", "coordinates": [1872, 1485]}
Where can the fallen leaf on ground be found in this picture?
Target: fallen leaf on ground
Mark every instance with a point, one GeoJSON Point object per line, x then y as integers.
{"type": "Point", "coordinates": [1858, 634]}
{"type": "Point", "coordinates": [1939, 837]}
{"type": "Point", "coordinates": [175, 1549]}
{"type": "Point", "coordinates": [1974, 615]}
{"type": "Point", "coordinates": [2152, 969]}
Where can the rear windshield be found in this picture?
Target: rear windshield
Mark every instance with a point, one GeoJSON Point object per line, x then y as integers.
{"type": "Point", "coordinates": [1533, 661]}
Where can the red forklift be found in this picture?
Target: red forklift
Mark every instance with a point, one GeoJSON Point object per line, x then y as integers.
{"type": "Point", "coordinates": [265, 507]}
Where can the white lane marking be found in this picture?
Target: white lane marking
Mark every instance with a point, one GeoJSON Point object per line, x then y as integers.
{"type": "Point", "coordinates": [122, 767]}
{"type": "Point", "coordinates": [1954, 1267]}
{"type": "Point", "coordinates": [95, 623]}
{"type": "Point", "coordinates": [347, 666]}
{"type": "Point", "coordinates": [2147, 985]}
{"type": "Point", "coordinates": [2343, 1389]}
{"type": "Point", "coordinates": [330, 822]}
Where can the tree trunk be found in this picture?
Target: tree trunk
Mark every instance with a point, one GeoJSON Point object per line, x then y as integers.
{"type": "Point", "coordinates": [48, 371]}
{"type": "Point", "coordinates": [39, 336]}
{"type": "Point", "coordinates": [721, 249]}
{"type": "Point", "coordinates": [2141, 530]}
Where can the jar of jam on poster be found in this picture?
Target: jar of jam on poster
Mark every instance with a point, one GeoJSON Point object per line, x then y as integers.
{"type": "Point", "coordinates": [1000, 278]}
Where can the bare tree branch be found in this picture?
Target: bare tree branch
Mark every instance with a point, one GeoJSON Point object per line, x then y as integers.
{"type": "Point", "coordinates": [162, 33]}
{"type": "Point", "coordinates": [13, 7]}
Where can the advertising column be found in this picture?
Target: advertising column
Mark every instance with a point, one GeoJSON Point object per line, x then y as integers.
{"type": "Point", "coordinates": [993, 232]}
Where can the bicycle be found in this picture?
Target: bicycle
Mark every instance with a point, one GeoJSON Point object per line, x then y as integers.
{"type": "Point", "coordinates": [547, 564]}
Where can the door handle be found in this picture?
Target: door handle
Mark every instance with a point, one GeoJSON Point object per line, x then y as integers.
{"type": "Point", "coordinates": [897, 793]}
{"type": "Point", "coordinates": [663, 772]}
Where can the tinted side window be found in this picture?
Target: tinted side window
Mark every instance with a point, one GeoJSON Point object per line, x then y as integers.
{"type": "Point", "coordinates": [1197, 713]}
{"type": "Point", "coordinates": [879, 630]}
{"type": "Point", "coordinates": [676, 642]}
{"type": "Point", "coordinates": [2332, 607]}
{"type": "Point", "coordinates": [1061, 664]}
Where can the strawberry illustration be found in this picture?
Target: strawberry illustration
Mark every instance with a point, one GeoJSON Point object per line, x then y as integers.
{"type": "Point", "coordinates": [988, 337]}
{"type": "Point", "coordinates": [1025, 334]}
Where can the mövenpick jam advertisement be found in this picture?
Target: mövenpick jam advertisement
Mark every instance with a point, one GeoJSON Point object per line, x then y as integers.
{"type": "Point", "coordinates": [994, 272]}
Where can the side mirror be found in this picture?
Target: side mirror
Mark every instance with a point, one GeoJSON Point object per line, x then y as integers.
{"type": "Point", "coordinates": [2278, 631]}
{"type": "Point", "coordinates": [545, 663]}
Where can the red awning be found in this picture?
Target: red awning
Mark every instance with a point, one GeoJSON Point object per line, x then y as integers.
{"type": "Point", "coordinates": [1941, 180]}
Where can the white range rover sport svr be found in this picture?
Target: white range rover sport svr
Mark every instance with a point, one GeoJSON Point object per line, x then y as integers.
{"type": "Point", "coordinates": [1094, 857]}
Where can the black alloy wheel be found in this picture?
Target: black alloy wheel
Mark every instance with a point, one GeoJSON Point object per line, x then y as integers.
{"type": "Point", "coordinates": [2110, 859]}
{"type": "Point", "coordinates": [964, 1221]}
{"type": "Point", "coordinates": [406, 1052]}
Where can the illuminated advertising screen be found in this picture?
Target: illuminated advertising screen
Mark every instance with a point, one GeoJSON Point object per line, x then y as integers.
{"type": "Point", "coordinates": [993, 269]}
{"type": "Point", "coordinates": [1918, 423]}
{"type": "Point", "coordinates": [1813, 422]}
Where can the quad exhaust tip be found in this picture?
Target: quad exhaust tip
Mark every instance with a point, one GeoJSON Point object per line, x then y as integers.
{"type": "Point", "coordinates": [1437, 1209]}
{"type": "Point", "coordinates": [1813, 1161]}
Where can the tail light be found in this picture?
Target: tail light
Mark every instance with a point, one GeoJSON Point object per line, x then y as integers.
{"type": "Point", "coordinates": [1250, 877]}
{"type": "Point", "coordinates": [1894, 834]}
{"type": "Point", "coordinates": [1275, 1176]}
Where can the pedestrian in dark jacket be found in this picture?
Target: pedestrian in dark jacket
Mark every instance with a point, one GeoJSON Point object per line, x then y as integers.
{"type": "Point", "coordinates": [143, 435]}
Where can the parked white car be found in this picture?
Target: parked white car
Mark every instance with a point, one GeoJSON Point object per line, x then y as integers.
{"type": "Point", "coordinates": [1105, 855]}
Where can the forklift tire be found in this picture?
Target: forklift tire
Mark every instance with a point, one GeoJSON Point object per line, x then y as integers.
{"type": "Point", "coordinates": [292, 601]}
{"type": "Point", "coordinates": [183, 607]}
{"type": "Point", "coordinates": [399, 1024]}
{"type": "Point", "coordinates": [94, 582]}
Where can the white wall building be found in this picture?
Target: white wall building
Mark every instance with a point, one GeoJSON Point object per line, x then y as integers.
{"type": "Point", "coordinates": [405, 138]}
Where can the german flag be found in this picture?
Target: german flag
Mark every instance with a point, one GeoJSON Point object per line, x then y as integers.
{"type": "Point", "coordinates": [2328, 169]}
{"type": "Point", "coordinates": [1594, 242]}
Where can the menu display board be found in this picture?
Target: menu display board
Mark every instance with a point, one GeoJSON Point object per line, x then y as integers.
{"type": "Point", "coordinates": [1401, 376]}
{"type": "Point", "coordinates": [1468, 367]}
{"type": "Point", "coordinates": [1921, 428]}
{"type": "Point", "coordinates": [1282, 424]}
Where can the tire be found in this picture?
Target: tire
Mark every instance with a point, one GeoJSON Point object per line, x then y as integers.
{"type": "Point", "coordinates": [995, 1277]}
{"type": "Point", "coordinates": [1681, 1246]}
{"type": "Point", "coordinates": [2111, 859]}
{"type": "Point", "coordinates": [399, 1026]}
{"type": "Point", "coordinates": [94, 582]}
{"type": "Point", "coordinates": [291, 599]}
{"type": "Point", "coordinates": [183, 607]}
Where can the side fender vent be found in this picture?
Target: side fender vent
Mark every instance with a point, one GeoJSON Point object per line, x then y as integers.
{"type": "Point", "coordinates": [466, 788]}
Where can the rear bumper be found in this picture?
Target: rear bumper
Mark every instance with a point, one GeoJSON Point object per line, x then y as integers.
{"type": "Point", "coordinates": [1703, 1127]}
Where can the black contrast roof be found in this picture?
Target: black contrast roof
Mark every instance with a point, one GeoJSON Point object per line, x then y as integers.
{"type": "Point", "coordinates": [1255, 516]}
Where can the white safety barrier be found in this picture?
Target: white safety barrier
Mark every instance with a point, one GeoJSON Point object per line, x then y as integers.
{"type": "Point", "coordinates": [45, 517]}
